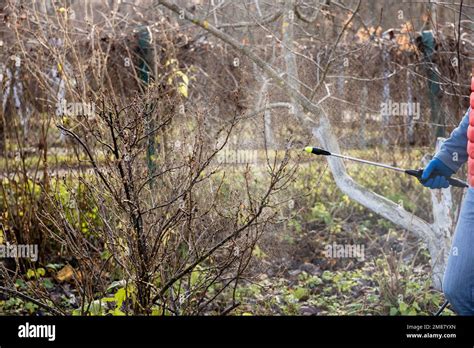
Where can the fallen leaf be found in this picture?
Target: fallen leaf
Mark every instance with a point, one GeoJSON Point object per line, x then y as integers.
{"type": "Point", "coordinates": [65, 274]}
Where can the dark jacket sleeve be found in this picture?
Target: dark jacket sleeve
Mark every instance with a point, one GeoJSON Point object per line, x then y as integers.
{"type": "Point", "coordinates": [453, 152]}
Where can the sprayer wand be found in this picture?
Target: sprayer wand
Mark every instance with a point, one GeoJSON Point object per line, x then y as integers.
{"type": "Point", "coordinates": [413, 172]}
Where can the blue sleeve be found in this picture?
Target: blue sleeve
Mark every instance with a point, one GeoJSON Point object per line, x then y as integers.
{"type": "Point", "coordinates": [453, 152]}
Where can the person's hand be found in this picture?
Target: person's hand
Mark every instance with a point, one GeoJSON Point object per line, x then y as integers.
{"type": "Point", "coordinates": [436, 174]}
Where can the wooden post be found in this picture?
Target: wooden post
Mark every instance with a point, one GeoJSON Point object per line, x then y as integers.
{"type": "Point", "coordinates": [146, 70]}
{"type": "Point", "coordinates": [385, 94]}
{"type": "Point", "coordinates": [434, 91]}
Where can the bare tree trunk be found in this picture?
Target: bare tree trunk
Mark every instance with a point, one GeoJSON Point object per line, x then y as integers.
{"type": "Point", "coordinates": [437, 236]}
{"type": "Point", "coordinates": [443, 224]}
{"type": "Point", "coordinates": [292, 76]}
{"type": "Point", "coordinates": [262, 102]}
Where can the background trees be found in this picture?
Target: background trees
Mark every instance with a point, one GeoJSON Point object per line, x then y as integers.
{"type": "Point", "coordinates": [190, 163]}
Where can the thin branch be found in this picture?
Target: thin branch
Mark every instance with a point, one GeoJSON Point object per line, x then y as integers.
{"type": "Point", "coordinates": [264, 21]}
{"type": "Point", "coordinates": [16, 293]}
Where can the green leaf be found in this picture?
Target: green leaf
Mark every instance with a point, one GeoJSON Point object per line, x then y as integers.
{"type": "Point", "coordinates": [403, 307]}
{"type": "Point", "coordinates": [105, 255]}
{"type": "Point", "coordinates": [55, 266]}
{"type": "Point", "coordinates": [20, 283]}
{"type": "Point", "coordinates": [183, 89]}
{"type": "Point", "coordinates": [30, 273]}
{"type": "Point", "coordinates": [258, 253]}
{"type": "Point", "coordinates": [31, 307]}
{"type": "Point", "coordinates": [416, 306]}
{"type": "Point", "coordinates": [117, 312]}
{"type": "Point", "coordinates": [47, 283]}
{"type": "Point", "coordinates": [327, 275]}
{"type": "Point", "coordinates": [300, 293]}
{"type": "Point", "coordinates": [120, 296]}
{"type": "Point", "coordinates": [156, 311]}
{"type": "Point", "coordinates": [195, 275]}
{"type": "Point", "coordinates": [108, 299]}
{"type": "Point", "coordinates": [393, 311]}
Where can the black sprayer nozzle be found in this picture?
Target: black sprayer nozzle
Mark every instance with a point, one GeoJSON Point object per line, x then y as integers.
{"type": "Point", "coordinates": [317, 151]}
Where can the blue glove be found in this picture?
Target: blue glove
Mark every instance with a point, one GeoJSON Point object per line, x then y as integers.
{"type": "Point", "coordinates": [439, 173]}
